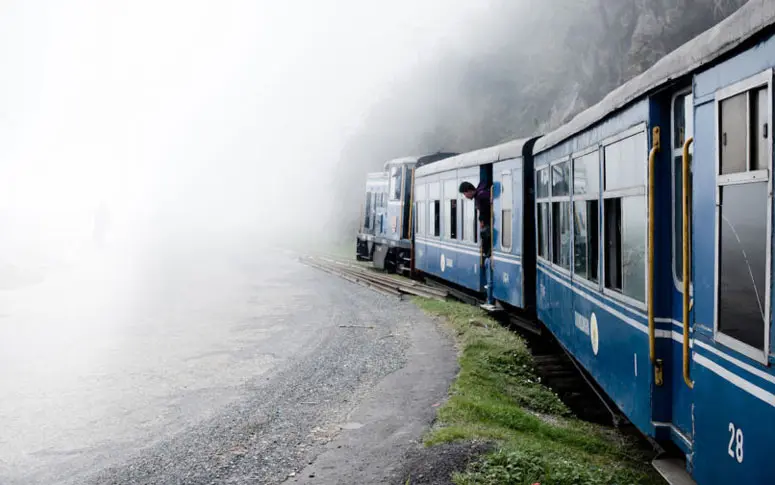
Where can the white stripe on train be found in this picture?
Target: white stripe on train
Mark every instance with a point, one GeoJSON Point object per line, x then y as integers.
{"type": "Point", "coordinates": [735, 379]}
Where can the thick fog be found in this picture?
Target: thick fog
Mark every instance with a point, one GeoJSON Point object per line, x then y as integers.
{"type": "Point", "coordinates": [258, 119]}
{"type": "Point", "coordinates": [191, 118]}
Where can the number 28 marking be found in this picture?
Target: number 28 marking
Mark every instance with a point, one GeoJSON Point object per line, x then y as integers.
{"type": "Point", "coordinates": [736, 440]}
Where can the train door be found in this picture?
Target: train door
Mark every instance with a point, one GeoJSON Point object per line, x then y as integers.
{"type": "Point", "coordinates": [732, 373]}
{"type": "Point", "coordinates": [680, 240]}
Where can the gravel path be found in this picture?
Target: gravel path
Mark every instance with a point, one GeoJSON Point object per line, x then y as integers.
{"type": "Point", "coordinates": [309, 378]}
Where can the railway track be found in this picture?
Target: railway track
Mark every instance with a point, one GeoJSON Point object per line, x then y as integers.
{"type": "Point", "coordinates": [383, 283]}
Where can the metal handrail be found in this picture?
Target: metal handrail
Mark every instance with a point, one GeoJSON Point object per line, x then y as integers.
{"type": "Point", "coordinates": [655, 145]}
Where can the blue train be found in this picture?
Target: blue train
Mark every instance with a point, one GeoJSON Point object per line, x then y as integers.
{"type": "Point", "coordinates": [385, 235]}
{"type": "Point", "coordinates": [640, 235]}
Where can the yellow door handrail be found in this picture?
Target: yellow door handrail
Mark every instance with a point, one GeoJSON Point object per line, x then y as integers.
{"type": "Point", "coordinates": [686, 262]}
{"type": "Point", "coordinates": [655, 145]}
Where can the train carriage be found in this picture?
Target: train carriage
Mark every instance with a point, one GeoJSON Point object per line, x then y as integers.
{"type": "Point", "coordinates": [385, 236]}
{"type": "Point", "coordinates": [447, 242]}
{"type": "Point", "coordinates": [671, 314]}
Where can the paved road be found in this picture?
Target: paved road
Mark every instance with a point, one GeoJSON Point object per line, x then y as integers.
{"type": "Point", "coordinates": [202, 366]}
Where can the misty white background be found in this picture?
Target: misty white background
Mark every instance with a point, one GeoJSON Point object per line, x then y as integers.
{"type": "Point", "coordinates": [205, 117]}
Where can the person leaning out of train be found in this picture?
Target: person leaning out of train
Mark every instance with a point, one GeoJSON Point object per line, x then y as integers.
{"type": "Point", "coordinates": [481, 196]}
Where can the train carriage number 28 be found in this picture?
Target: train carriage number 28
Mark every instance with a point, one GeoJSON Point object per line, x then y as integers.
{"type": "Point", "coordinates": [736, 442]}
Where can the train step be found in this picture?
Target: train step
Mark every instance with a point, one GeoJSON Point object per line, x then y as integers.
{"type": "Point", "coordinates": [673, 470]}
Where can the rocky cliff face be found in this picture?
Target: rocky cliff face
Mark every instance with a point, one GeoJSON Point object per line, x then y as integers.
{"type": "Point", "coordinates": [526, 71]}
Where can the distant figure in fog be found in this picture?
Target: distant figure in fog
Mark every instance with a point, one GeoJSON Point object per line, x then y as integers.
{"type": "Point", "coordinates": [481, 196]}
{"type": "Point", "coordinates": [101, 224]}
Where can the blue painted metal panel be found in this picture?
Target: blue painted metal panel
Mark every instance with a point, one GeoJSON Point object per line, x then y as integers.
{"type": "Point", "coordinates": [734, 429]}
{"type": "Point", "coordinates": [508, 279]}
{"type": "Point", "coordinates": [457, 264]}
{"type": "Point", "coordinates": [607, 337]}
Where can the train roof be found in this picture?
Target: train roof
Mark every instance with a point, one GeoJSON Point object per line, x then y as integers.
{"type": "Point", "coordinates": [504, 151]}
{"type": "Point", "coordinates": [749, 20]}
{"type": "Point", "coordinates": [419, 161]}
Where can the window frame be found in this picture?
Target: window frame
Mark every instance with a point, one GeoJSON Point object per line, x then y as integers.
{"type": "Point", "coordinates": [763, 79]}
{"type": "Point", "coordinates": [584, 198]}
{"type": "Point", "coordinates": [469, 233]}
{"type": "Point", "coordinates": [507, 174]}
{"type": "Point", "coordinates": [621, 193]}
{"type": "Point", "coordinates": [560, 199]}
{"type": "Point", "coordinates": [398, 186]}
{"type": "Point", "coordinates": [432, 198]}
{"type": "Point", "coordinates": [676, 151]}
{"type": "Point", "coordinates": [449, 184]}
{"type": "Point", "coordinates": [421, 206]}
{"type": "Point", "coordinates": [537, 206]}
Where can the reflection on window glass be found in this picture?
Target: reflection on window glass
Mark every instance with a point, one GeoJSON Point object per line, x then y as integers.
{"type": "Point", "coordinates": [633, 213]}
{"type": "Point", "coordinates": [542, 189]}
{"type": "Point", "coordinates": [585, 174]}
{"type": "Point", "coordinates": [421, 218]}
{"type": "Point", "coordinates": [560, 179]}
{"type": "Point", "coordinates": [678, 217]}
{"type": "Point", "coordinates": [585, 236]}
{"type": "Point", "coordinates": [734, 136]}
{"type": "Point", "coordinates": [682, 119]}
{"type": "Point", "coordinates": [506, 231]}
{"type": "Point", "coordinates": [580, 238]}
{"type": "Point", "coordinates": [470, 219]}
{"type": "Point", "coordinates": [760, 136]}
{"type": "Point", "coordinates": [625, 163]}
{"type": "Point", "coordinates": [367, 211]}
{"type": "Point", "coordinates": [561, 235]}
{"type": "Point", "coordinates": [543, 230]}
{"type": "Point", "coordinates": [613, 243]}
{"type": "Point", "coordinates": [593, 236]}
{"type": "Point", "coordinates": [679, 121]}
{"type": "Point", "coordinates": [450, 220]}
{"type": "Point", "coordinates": [742, 269]}
{"type": "Point", "coordinates": [463, 232]}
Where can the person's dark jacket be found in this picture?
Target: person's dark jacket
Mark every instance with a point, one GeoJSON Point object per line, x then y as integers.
{"type": "Point", "coordinates": [482, 199]}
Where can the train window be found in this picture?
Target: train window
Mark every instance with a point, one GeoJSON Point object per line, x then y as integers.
{"type": "Point", "coordinates": [683, 127]}
{"type": "Point", "coordinates": [435, 218]}
{"type": "Point", "coordinates": [463, 232]}
{"type": "Point", "coordinates": [506, 231]}
{"type": "Point", "coordinates": [561, 234]}
{"type": "Point", "coordinates": [395, 183]}
{"type": "Point", "coordinates": [469, 220]}
{"type": "Point", "coordinates": [586, 174]}
{"type": "Point", "coordinates": [450, 219]}
{"type": "Point", "coordinates": [367, 211]}
{"type": "Point", "coordinates": [733, 134]}
{"type": "Point", "coordinates": [743, 204]}
{"type": "Point", "coordinates": [561, 179]}
{"type": "Point", "coordinates": [506, 201]}
{"type": "Point", "coordinates": [543, 208]}
{"type": "Point", "coordinates": [585, 251]}
{"type": "Point", "coordinates": [743, 262]}
{"type": "Point", "coordinates": [633, 242]}
{"type": "Point", "coordinates": [586, 190]}
{"type": "Point", "coordinates": [421, 218]}
{"type": "Point", "coordinates": [542, 190]}
{"type": "Point", "coordinates": [625, 162]}
{"type": "Point", "coordinates": [760, 145]}
{"type": "Point", "coordinates": [543, 230]}
{"type": "Point", "coordinates": [625, 215]}
{"type": "Point", "coordinates": [613, 244]}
